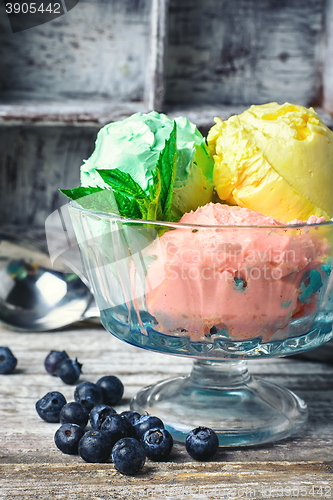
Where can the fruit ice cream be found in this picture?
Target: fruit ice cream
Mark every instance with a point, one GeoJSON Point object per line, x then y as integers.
{"type": "Point", "coordinates": [232, 270]}
{"type": "Point", "coordinates": [237, 282]}
{"type": "Point", "coordinates": [276, 160]}
{"type": "Point", "coordinates": [133, 145]}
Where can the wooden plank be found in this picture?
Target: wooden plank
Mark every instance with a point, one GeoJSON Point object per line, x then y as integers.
{"type": "Point", "coordinates": [31, 467]}
{"type": "Point", "coordinates": [328, 60]}
{"type": "Point", "coordinates": [98, 50]}
{"type": "Point", "coordinates": [244, 52]}
{"type": "Point", "coordinates": [106, 65]}
{"type": "Point", "coordinates": [155, 87]}
{"type": "Point", "coordinates": [73, 112]}
{"type": "Point", "coordinates": [79, 113]}
{"type": "Point", "coordinates": [198, 481]}
{"type": "Point", "coordinates": [35, 162]}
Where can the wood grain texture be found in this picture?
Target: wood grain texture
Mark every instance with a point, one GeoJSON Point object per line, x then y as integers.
{"type": "Point", "coordinates": [245, 52]}
{"type": "Point", "coordinates": [97, 50]}
{"type": "Point", "coordinates": [155, 88]}
{"type": "Point", "coordinates": [31, 467]}
{"type": "Point", "coordinates": [70, 112]}
{"type": "Point", "coordinates": [34, 163]}
{"type": "Point", "coordinates": [328, 59]}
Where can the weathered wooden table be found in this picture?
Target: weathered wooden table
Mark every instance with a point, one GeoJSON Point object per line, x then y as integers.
{"type": "Point", "coordinates": [31, 467]}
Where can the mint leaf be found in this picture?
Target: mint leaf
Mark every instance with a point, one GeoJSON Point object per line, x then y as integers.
{"type": "Point", "coordinates": [80, 192]}
{"type": "Point", "coordinates": [128, 207]}
{"type": "Point", "coordinates": [123, 183]}
{"type": "Point", "coordinates": [92, 198]}
{"type": "Point", "coordinates": [166, 166]}
{"type": "Point", "coordinates": [104, 200]}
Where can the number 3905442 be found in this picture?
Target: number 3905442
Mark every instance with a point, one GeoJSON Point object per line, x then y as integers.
{"type": "Point", "coordinates": [32, 8]}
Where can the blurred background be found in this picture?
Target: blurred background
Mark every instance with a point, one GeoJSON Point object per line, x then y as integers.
{"type": "Point", "coordinates": [105, 59]}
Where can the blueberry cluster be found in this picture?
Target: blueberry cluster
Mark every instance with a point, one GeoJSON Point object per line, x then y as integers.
{"type": "Point", "coordinates": [59, 364]}
{"type": "Point", "coordinates": [93, 429]}
{"type": "Point", "coordinates": [128, 437]}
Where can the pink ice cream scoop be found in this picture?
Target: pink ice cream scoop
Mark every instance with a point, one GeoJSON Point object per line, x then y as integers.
{"type": "Point", "coordinates": [217, 276]}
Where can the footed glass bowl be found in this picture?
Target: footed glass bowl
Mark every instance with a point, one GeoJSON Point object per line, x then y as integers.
{"type": "Point", "coordinates": [221, 295]}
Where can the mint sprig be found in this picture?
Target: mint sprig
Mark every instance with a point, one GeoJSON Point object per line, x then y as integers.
{"type": "Point", "coordinates": [131, 200]}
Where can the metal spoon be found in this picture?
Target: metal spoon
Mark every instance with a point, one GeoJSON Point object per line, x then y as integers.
{"type": "Point", "coordinates": [33, 295]}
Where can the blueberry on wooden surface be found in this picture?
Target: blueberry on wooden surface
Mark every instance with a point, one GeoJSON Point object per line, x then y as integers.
{"type": "Point", "coordinates": [8, 361]}
{"type": "Point", "coordinates": [132, 417]}
{"type": "Point", "coordinates": [50, 405]}
{"type": "Point", "coordinates": [93, 447]}
{"type": "Point", "coordinates": [53, 360]}
{"type": "Point", "coordinates": [69, 370]}
{"type": "Point", "coordinates": [144, 423]}
{"type": "Point", "coordinates": [116, 427]}
{"type": "Point", "coordinates": [74, 413]}
{"type": "Point", "coordinates": [128, 456]}
{"type": "Point", "coordinates": [157, 444]}
{"type": "Point", "coordinates": [99, 413]}
{"type": "Point", "coordinates": [112, 389]}
{"type": "Point", "coordinates": [202, 443]}
{"type": "Point", "coordinates": [88, 394]}
{"type": "Point", "coordinates": [67, 438]}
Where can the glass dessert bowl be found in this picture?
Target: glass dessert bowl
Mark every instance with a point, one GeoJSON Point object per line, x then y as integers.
{"type": "Point", "coordinates": [221, 295]}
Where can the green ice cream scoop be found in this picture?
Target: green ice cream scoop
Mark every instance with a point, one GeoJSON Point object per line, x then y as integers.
{"type": "Point", "coordinates": [133, 146]}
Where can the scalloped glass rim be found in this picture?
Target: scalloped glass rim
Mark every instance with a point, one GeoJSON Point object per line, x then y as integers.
{"type": "Point", "coordinates": [218, 348]}
{"type": "Point", "coordinates": [107, 215]}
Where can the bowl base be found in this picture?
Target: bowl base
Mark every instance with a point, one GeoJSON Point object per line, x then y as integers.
{"type": "Point", "coordinates": [241, 409]}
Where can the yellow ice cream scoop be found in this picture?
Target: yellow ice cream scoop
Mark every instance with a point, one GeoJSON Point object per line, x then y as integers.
{"type": "Point", "coordinates": [274, 159]}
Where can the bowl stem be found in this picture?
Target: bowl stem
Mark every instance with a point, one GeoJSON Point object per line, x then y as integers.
{"type": "Point", "coordinates": [242, 410]}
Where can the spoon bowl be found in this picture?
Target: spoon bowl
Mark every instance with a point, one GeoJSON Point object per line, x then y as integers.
{"type": "Point", "coordinates": [34, 296]}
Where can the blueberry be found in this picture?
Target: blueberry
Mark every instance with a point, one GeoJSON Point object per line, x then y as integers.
{"type": "Point", "coordinates": [99, 413]}
{"type": "Point", "coordinates": [69, 370]}
{"type": "Point", "coordinates": [202, 443]}
{"type": "Point", "coordinates": [74, 413]}
{"type": "Point", "coordinates": [67, 438]}
{"type": "Point", "coordinates": [131, 415]}
{"type": "Point", "coordinates": [128, 456]}
{"type": "Point", "coordinates": [88, 394]}
{"type": "Point", "coordinates": [8, 361]}
{"type": "Point", "coordinates": [53, 360]}
{"type": "Point", "coordinates": [49, 406]}
{"type": "Point", "coordinates": [93, 447]}
{"type": "Point", "coordinates": [112, 389]}
{"type": "Point", "coordinates": [157, 444]}
{"type": "Point", "coordinates": [116, 427]}
{"type": "Point", "coordinates": [144, 423]}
